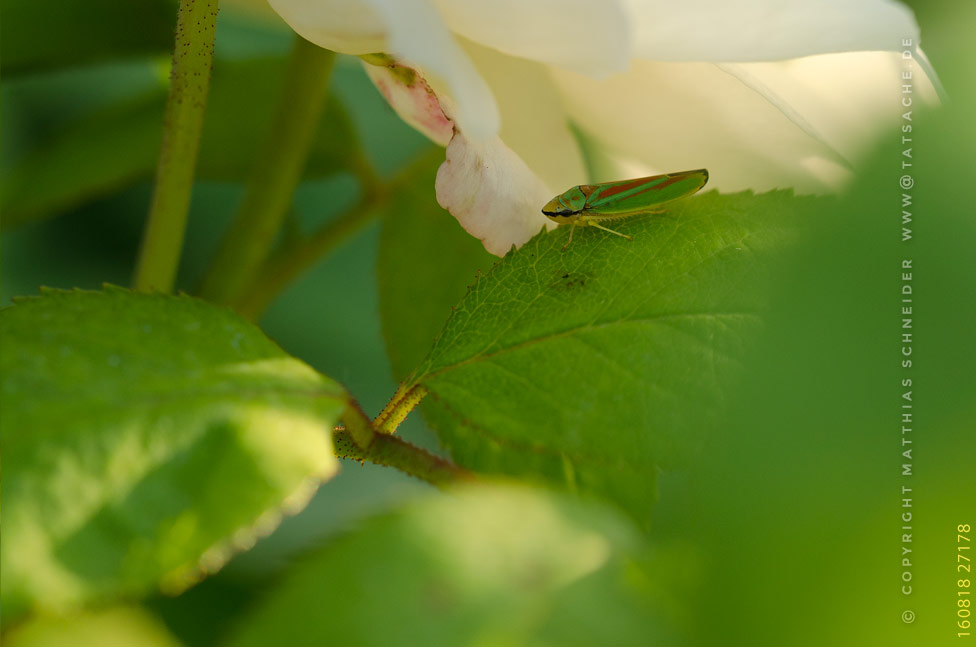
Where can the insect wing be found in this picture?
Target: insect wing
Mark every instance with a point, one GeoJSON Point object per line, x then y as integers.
{"type": "Point", "coordinates": [641, 194]}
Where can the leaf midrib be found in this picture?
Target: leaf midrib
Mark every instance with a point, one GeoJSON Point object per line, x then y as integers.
{"type": "Point", "coordinates": [573, 331]}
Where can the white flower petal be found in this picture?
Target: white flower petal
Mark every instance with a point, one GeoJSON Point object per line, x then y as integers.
{"type": "Point", "coordinates": [419, 37]}
{"type": "Point", "coordinates": [348, 26]}
{"type": "Point", "coordinates": [492, 193]}
{"type": "Point", "coordinates": [843, 100]}
{"type": "Point", "coordinates": [766, 30]}
{"type": "Point", "coordinates": [483, 182]}
{"type": "Point", "coordinates": [534, 120]}
{"type": "Point", "coordinates": [675, 116]}
{"type": "Point", "coordinates": [408, 93]}
{"type": "Point", "coordinates": [588, 36]}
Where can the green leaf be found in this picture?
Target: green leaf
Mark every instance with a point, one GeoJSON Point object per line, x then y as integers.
{"type": "Point", "coordinates": [144, 438]}
{"type": "Point", "coordinates": [112, 627]}
{"type": "Point", "coordinates": [481, 566]}
{"type": "Point", "coordinates": [426, 262]}
{"type": "Point", "coordinates": [120, 145]}
{"type": "Point", "coordinates": [597, 366]}
{"type": "Point", "coordinates": [865, 366]}
{"type": "Point", "coordinates": [35, 37]}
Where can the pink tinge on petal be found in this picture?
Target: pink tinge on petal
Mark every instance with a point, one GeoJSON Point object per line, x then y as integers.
{"type": "Point", "coordinates": [405, 89]}
{"type": "Point", "coordinates": [419, 37]}
{"type": "Point", "coordinates": [492, 193]}
{"type": "Point", "coordinates": [483, 183]}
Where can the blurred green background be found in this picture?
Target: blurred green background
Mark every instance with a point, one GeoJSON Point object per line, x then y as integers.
{"type": "Point", "coordinates": [794, 498]}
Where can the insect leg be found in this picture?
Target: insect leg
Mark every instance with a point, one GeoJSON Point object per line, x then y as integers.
{"type": "Point", "coordinates": [572, 230]}
{"type": "Point", "coordinates": [593, 224]}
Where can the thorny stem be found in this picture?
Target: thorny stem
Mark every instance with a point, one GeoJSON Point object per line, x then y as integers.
{"type": "Point", "coordinates": [358, 426]}
{"type": "Point", "coordinates": [162, 242]}
{"type": "Point", "coordinates": [359, 441]}
{"type": "Point", "coordinates": [400, 405]}
{"type": "Point", "coordinates": [395, 452]}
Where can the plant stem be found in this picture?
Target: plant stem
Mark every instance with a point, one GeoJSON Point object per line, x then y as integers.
{"type": "Point", "coordinates": [294, 257]}
{"type": "Point", "coordinates": [277, 171]}
{"type": "Point", "coordinates": [162, 241]}
{"type": "Point", "coordinates": [395, 452]}
{"type": "Point", "coordinates": [358, 425]}
{"type": "Point", "coordinates": [359, 441]}
{"type": "Point", "coordinates": [291, 260]}
{"type": "Point", "coordinates": [400, 405]}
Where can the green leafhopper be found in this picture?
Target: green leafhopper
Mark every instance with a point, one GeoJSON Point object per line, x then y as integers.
{"type": "Point", "coordinates": [587, 204]}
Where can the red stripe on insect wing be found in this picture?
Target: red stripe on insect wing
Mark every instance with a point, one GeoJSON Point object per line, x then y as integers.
{"type": "Point", "coordinates": [668, 182]}
{"type": "Point", "coordinates": [618, 193]}
{"type": "Point", "coordinates": [611, 191]}
{"type": "Point", "coordinates": [675, 179]}
{"type": "Point", "coordinates": [630, 190]}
